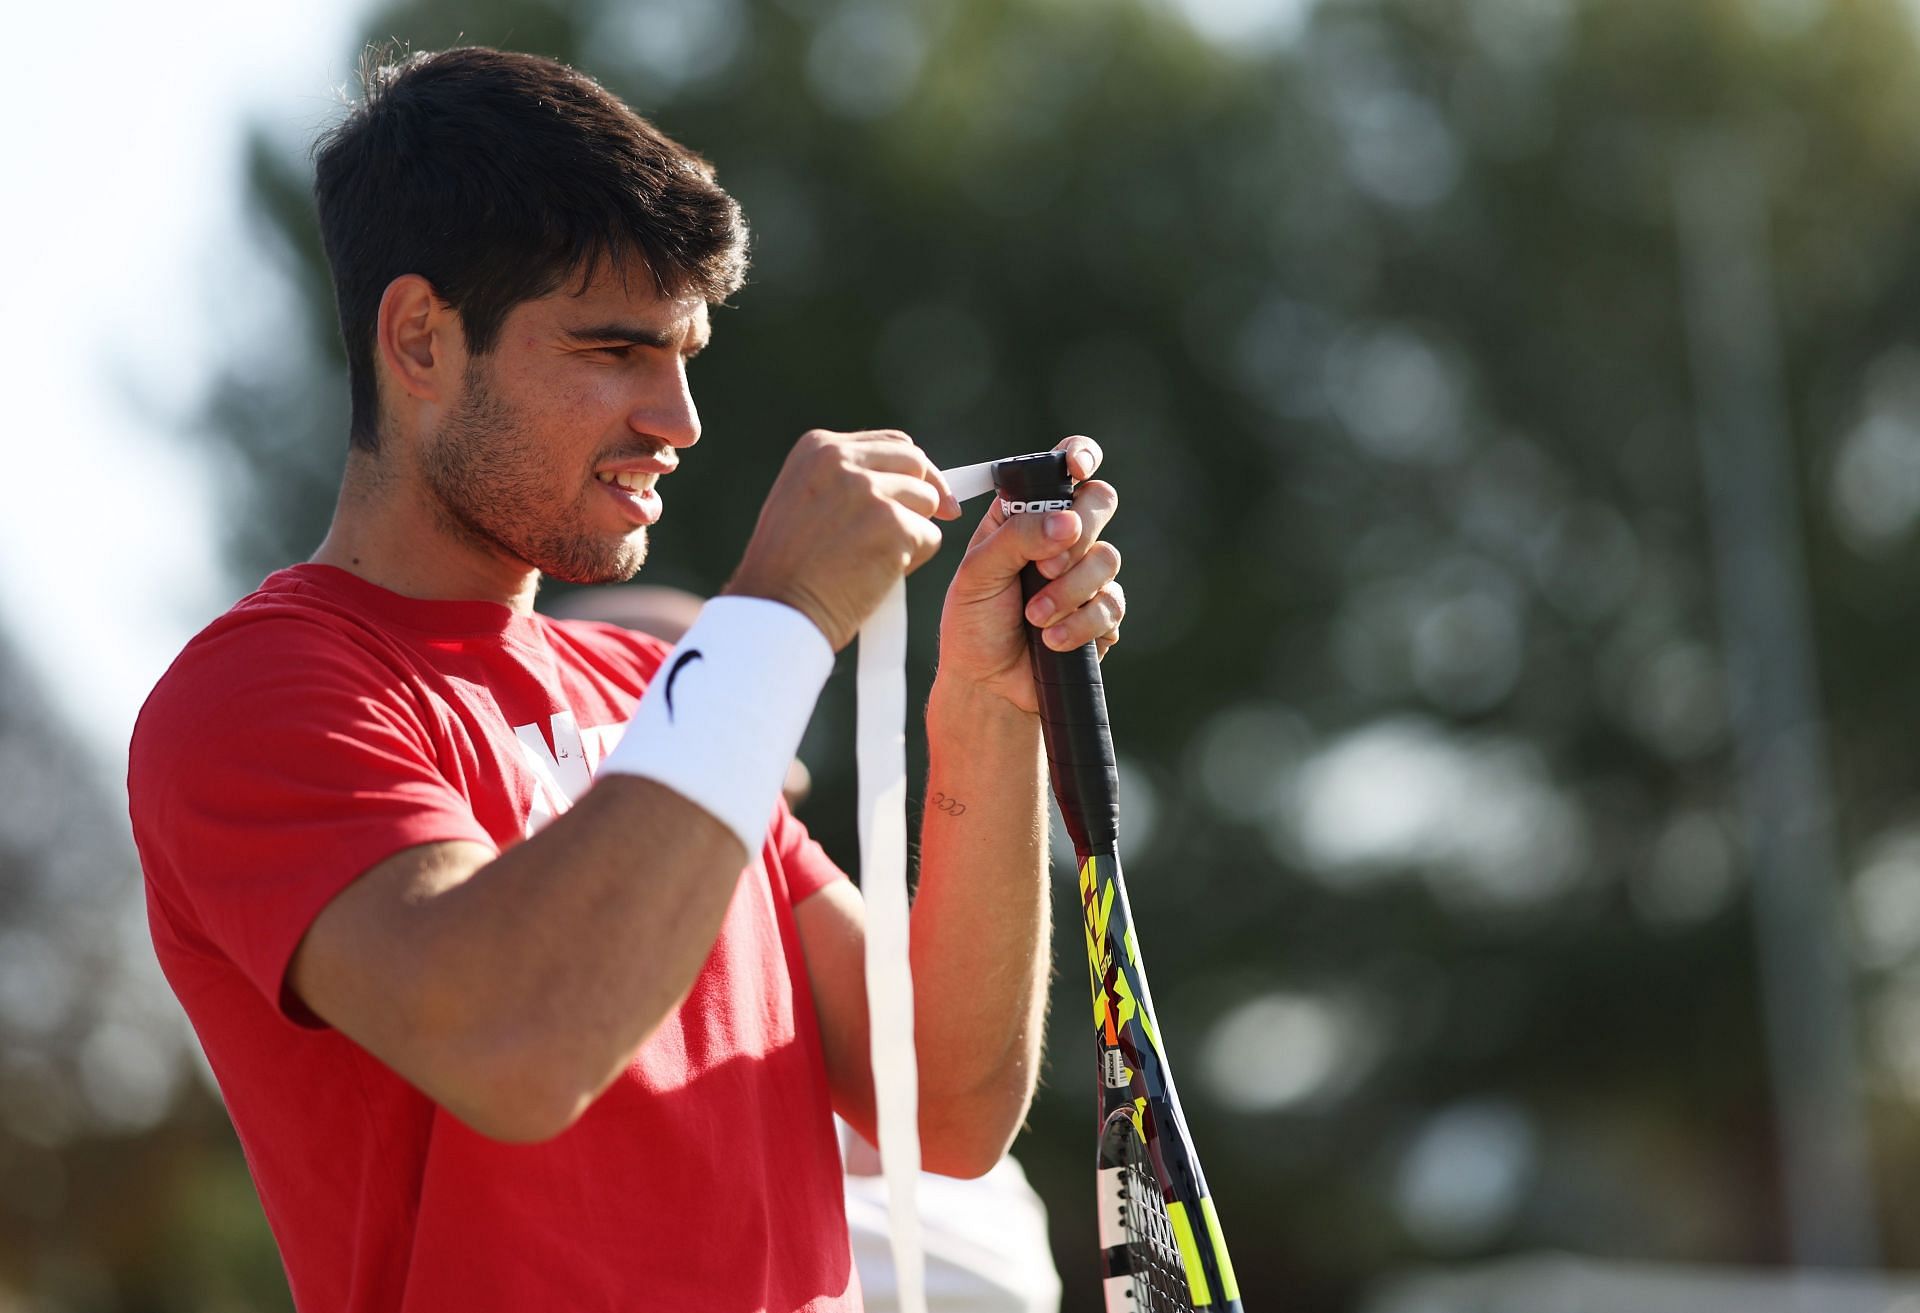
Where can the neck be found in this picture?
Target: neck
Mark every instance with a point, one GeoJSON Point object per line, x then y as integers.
{"type": "Point", "coordinates": [390, 532]}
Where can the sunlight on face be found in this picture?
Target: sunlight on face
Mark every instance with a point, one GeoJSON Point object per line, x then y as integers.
{"type": "Point", "coordinates": [581, 384]}
{"type": "Point", "coordinates": [501, 489]}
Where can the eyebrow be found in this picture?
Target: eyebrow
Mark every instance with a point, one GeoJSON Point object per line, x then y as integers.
{"type": "Point", "coordinates": [658, 338]}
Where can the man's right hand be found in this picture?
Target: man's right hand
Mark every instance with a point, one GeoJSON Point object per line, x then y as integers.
{"type": "Point", "coordinates": [850, 514]}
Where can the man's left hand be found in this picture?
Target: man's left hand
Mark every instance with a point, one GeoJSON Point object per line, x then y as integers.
{"type": "Point", "coordinates": [982, 638]}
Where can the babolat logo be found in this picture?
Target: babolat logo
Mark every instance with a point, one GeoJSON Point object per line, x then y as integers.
{"type": "Point", "coordinates": [1025, 507]}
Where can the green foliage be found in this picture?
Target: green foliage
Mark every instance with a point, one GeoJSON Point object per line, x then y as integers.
{"type": "Point", "coordinates": [1382, 331]}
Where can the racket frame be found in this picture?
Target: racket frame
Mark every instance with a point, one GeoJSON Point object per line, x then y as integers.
{"type": "Point", "coordinates": [1136, 1090]}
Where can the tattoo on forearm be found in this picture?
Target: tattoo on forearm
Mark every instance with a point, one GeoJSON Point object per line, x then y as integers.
{"type": "Point", "coordinates": [951, 806]}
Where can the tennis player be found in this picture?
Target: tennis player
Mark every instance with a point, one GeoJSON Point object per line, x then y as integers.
{"type": "Point", "coordinates": [523, 987]}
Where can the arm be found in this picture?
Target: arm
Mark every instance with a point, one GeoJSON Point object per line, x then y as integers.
{"type": "Point", "coordinates": [980, 924]}
{"type": "Point", "coordinates": [514, 989]}
{"type": "Point", "coordinates": [979, 942]}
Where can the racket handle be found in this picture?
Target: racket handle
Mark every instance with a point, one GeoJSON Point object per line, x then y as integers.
{"type": "Point", "coordinates": [1073, 701]}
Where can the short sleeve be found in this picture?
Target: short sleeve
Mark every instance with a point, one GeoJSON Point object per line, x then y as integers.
{"type": "Point", "coordinates": [807, 866]}
{"type": "Point", "coordinates": [274, 763]}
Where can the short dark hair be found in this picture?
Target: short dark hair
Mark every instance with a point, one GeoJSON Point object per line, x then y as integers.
{"type": "Point", "coordinates": [496, 176]}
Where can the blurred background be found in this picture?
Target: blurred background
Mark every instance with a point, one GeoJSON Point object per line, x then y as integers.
{"type": "Point", "coordinates": [1516, 406]}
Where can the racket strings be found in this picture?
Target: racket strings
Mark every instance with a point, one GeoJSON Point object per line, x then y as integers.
{"type": "Point", "coordinates": [1159, 1274]}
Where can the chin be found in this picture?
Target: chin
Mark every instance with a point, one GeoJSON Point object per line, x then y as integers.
{"type": "Point", "coordinates": [614, 567]}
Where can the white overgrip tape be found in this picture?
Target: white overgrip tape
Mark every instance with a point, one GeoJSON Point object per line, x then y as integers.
{"type": "Point", "coordinates": [881, 753]}
{"type": "Point", "coordinates": [882, 757]}
{"type": "Point", "coordinates": [969, 481]}
{"type": "Point", "coordinates": [722, 717]}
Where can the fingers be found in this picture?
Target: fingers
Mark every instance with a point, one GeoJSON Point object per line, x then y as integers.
{"type": "Point", "coordinates": [847, 515]}
{"type": "Point", "coordinates": [902, 475]}
{"type": "Point", "coordinates": [923, 536]}
{"type": "Point", "coordinates": [1082, 605]}
{"type": "Point", "coordinates": [910, 491]}
{"type": "Point", "coordinates": [1056, 541]}
{"type": "Point", "coordinates": [1083, 455]}
{"type": "Point", "coordinates": [1083, 458]}
{"type": "Point", "coordinates": [1095, 503]}
{"type": "Point", "coordinates": [892, 451]}
{"type": "Point", "coordinates": [1010, 541]}
{"type": "Point", "coordinates": [1095, 621]}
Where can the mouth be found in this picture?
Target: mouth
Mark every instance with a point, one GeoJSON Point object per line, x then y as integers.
{"type": "Point", "coordinates": [635, 494]}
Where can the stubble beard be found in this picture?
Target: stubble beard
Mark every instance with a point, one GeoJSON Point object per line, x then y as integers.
{"type": "Point", "coordinates": [490, 489]}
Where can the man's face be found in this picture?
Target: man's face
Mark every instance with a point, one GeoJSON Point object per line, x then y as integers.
{"type": "Point", "coordinates": [550, 454]}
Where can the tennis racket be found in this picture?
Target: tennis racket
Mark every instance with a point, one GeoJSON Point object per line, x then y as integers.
{"type": "Point", "coordinates": [1161, 1243]}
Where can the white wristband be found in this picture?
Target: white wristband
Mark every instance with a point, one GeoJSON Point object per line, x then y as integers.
{"type": "Point", "coordinates": [722, 718]}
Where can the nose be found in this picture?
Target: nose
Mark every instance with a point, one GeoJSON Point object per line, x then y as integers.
{"type": "Point", "coordinates": [665, 410]}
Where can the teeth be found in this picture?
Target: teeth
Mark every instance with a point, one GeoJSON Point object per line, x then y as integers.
{"type": "Point", "coordinates": [631, 482]}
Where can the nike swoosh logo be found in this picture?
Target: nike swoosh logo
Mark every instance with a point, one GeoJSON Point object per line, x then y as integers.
{"type": "Point", "coordinates": [673, 673]}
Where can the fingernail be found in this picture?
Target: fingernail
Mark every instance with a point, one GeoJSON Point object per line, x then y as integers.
{"type": "Point", "coordinates": [1039, 611]}
{"type": "Point", "coordinates": [1059, 525]}
{"type": "Point", "coordinates": [1055, 636]}
{"type": "Point", "coordinates": [1053, 565]}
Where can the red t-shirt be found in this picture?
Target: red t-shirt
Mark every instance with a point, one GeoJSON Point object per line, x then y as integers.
{"type": "Point", "coordinates": [324, 724]}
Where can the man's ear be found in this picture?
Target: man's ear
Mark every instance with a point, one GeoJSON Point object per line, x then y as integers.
{"type": "Point", "coordinates": [418, 341]}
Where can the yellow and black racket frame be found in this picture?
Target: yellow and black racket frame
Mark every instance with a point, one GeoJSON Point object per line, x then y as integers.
{"type": "Point", "coordinates": [1144, 1143]}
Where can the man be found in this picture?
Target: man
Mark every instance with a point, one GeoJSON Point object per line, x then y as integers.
{"type": "Point", "coordinates": [523, 988]}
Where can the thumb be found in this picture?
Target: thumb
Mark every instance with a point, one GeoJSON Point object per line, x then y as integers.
{"type": "Point", "coordinates": [1000, 550]}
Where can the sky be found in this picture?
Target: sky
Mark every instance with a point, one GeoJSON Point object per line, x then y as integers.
{"type": "Point", "coordinates": [130, 268]}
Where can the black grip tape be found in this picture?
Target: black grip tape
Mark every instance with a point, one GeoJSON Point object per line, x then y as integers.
{"type": "Point", "coordinates": [1073, 701]}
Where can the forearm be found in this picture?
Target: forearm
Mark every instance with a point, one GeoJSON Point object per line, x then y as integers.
{"type": "Point", "coordinates": [550, 965]}
{"type": "Point", "coordinates": [980, 936]}
{"type": "Point", "coordinates": [980, 930]}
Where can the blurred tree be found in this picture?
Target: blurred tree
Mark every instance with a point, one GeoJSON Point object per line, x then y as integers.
{"type": "Point", "coordinates": [97, 1104]}
{"type": "Point", "coordinates": [1375, 306]}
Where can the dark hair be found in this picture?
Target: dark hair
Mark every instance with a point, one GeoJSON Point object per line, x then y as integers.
{"type": "Point", "coordinates": [496, 176]}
